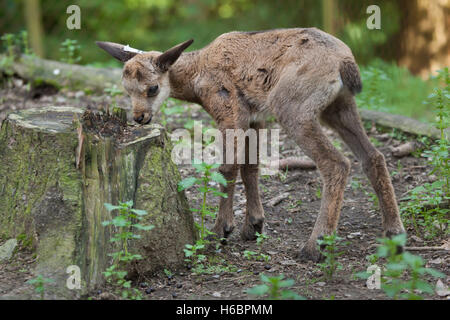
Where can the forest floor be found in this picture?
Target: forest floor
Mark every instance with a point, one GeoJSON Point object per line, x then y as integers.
{"type": "Point", "coordinates": [289, 220]}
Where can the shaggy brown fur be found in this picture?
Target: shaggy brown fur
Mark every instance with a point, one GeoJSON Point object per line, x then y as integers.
{"type": "Point", "coordinates": [300, 76]}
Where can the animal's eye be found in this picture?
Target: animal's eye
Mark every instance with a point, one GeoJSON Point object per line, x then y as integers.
{"type": "Point", "coordinates": [152, 91]}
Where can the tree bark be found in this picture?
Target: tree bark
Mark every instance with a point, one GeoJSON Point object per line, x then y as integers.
{"type": "Point", "coordinates": [45, 198]}
{"type": "Point", "coordinates": [33, 19]}
{"type": "Point", "coordinates": [424, 42]}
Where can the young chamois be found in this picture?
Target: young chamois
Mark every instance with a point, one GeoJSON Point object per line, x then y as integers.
{"type": "Point", "coordinates": [303, 77]}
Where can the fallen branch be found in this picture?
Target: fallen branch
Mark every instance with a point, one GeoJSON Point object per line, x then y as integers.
{"type": "Point", "coordinates": [405, 149]}
{"type": "Point", "coordinates": [278, 199]}
{"type": "Point", "coordinates": [403, 123]}
{"type": "Point", "coordinates": [60, 74]}
{"type": "Point", "coordinates": [426, 248]}
{"type": "Point", "coordinates": [296, 163]}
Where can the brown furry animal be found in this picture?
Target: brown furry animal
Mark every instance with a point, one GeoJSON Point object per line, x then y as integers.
{"type": "Point", "coordinates": [302, 77]}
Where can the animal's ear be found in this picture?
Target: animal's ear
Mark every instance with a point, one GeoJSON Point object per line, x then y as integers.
{"type": "Point", "coordinates": [166, 59]}
{"type": "Point", "coordinates": [118, 51]}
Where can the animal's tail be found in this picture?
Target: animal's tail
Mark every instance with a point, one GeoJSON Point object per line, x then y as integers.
{"type": "Point", "coordinates": [350, 76]}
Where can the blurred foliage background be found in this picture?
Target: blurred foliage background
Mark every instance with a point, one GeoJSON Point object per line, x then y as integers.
{"type": "Point", "coordinates": [413, 33]}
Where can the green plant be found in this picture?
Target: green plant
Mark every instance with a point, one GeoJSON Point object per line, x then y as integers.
{"type": "Point", "coordinates": [192, 252]}
{"type": "Point", "coordinates": [273, 288]}
{"type": "Point", "coordinates": [114, 92]}
{"type": "Point", "coordinates": [356, 184]}
{"type": "Point", "coordinates": [71, 50]}
{"type": "Point", "coordinates": [393, 89]}
{"type": "Point", "coordinates": [39, 284]}
{"type": "Point", "coordinates": [168, 111]}
{"type": "Point", "coordinates": [24, 42]}
{"type": "Point", "coordinates": [193, 255]}
{"type": "Point", "coordinates": [283, 175]}
{"type": "Point", "coordinates": [403, 275]}
{"type": "Point", "coordinates": [328, 247]}
{"type": "Point", "coordinates": [375, 142]}
{"type": "Point", "coordinates": [259, 256]}
{"type": "Point", "coordinates": [6, 62]}
{"type": "Point", "coordinates": [124, 223]}
{"type": "Point", "coordinates": [25, 241]}
{"type": "Point", "coordinates": [168, 273]}
{"type": "Point", "coordinates": [337, 144]}
{"type": "Point", "coordinates": [9, 40]}
{"type": "Point", "coordinates": [318, 193]}
{"type": "Point", "coordinates": [427, 205]}
{"type": "Point", "coordinates": [372, 97]}
{"type": "Point", "coordinates": [205, 188]}
{"type": "Point", "coordinates": [260, 238]}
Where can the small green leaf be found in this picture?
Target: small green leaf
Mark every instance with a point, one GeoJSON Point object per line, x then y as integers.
{"type": "Point", "coordinates": [139, 212]}
{"type": "Point", "coordinates": [110, 207]}
{"type": "Point", "coordinates": [186, 183]}
{"type": "Point", "coordinates": [219, 178]}
{"type": "Point", "coordinates": [259, 290]}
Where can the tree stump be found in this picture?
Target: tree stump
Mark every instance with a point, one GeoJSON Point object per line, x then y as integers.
{"type": "Point", "coordinates": [55, 178]}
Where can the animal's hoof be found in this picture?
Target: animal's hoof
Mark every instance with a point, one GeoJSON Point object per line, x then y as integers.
{"type": "Point", "coordinates": [222, 231]}
{"type": "Point", "coordinates": [393, 233]}
{"type": "Point", "coordinates": [250, 228]}
{"type": "Point", "coordinates": [308, 253]}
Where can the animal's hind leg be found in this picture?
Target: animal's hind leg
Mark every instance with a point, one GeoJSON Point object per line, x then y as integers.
{"type": "Point", "coordinates": [334, 169]}
{"type": "Point", "coordinates": [343, 117]}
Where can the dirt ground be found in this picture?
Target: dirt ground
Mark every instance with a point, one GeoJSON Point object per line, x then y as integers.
{"type": "Point", "coordinates": [288, 222]}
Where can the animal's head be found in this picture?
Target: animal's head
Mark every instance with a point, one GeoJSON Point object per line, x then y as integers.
{"type": "Point", "coordinates": [145, 76]}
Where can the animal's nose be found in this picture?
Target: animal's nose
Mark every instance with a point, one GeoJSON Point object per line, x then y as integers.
{"type": "Point", "coordinates": [143, 118]}
{"type": "Point", "coordinates": [139, 118]}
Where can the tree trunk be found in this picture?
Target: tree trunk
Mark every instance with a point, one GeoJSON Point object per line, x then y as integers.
{"type": "Point", "coordinates": [424, 41]}
{"type": "Point", "coordinates": [45, 198]}
{"type": "Point", "coordinates": [33, 19]}
{"type": "Point", "coordinates": [328, 16]}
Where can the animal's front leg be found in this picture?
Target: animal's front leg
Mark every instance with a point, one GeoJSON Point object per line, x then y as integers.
{"type": "Point", "coordinates": [224, 224]}
{"type": "Point", "coordinates": [254, 216]}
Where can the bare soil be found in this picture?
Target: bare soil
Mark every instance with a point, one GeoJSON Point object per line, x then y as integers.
{"type": "Point", "coordinates": [288, 223]}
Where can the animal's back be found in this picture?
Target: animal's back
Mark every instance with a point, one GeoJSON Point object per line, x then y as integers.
{"type": "Point", "coordinates": [254, 61]}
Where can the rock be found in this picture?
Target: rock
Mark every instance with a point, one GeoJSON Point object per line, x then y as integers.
{"type": "Point", "coordinates": [354, 235]}
{"type": "Point", "coordinates": [107, 296]}
{"type": "Point", "coordinates": [217, 294]}
{"type": "Point", "coordinates": [288, 262]}
{"type": "Point", "coordinates": [416, 238]}
{"type": "Point", "coordinates": [436, 261]}
{"type": "Point", "coordinates": [321, 284]}
{"type": "Point", "coordinates": [7, 250]}
{"type": "Point", "coordinates": [441, 289]}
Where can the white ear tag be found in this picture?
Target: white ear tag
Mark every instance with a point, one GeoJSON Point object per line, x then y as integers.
{"type": "Point", "coordinates": [130, 49]}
